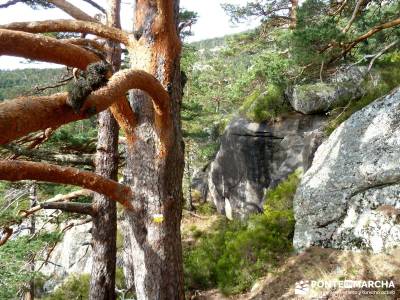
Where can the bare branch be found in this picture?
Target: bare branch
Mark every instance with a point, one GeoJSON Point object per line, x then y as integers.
{"type": "Point", "coordinates": [21, 116]}
{"type": "Point", "coordinates": [380, 53]}
{"type": "Point", "coordinates": [42, 155]}
{"type": "Point", "coordinates": [23, 170]}
{"type": "Point", "coordinates": [71, 26]}
{"type": "Point", "coordinates": [9, 3]}
{"type": "Point", "coordinates": [339, 10]}
{"type": "Point", "coordinates": [57, 198]}
{"type": "Point", "coordinates": [354, 15]}
{"type": "Point", "coordinates": [42, 48]}
{"type": "Point", "coordinates": [95, 5]}
{"type": "Point", "coordinates": [72, 10]}
{"type": "Point", "coordinates": [73, 207]}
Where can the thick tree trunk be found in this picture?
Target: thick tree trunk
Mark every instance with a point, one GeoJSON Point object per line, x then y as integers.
{"type": "Point", "coordinates": [104, 231]}
{"type": "Point", "coordinates": [155, 161]}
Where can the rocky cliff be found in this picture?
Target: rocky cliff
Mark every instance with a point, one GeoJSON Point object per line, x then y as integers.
{"type": "Point", "coordinates": [256, 156]}
{"type": "Point", "coordinates": [350, 197]}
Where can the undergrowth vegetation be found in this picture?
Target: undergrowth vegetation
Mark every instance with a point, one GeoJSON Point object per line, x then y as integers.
{"type": "Point", "coordinates": [13, 256]}
{"type": "Point", "coordinates": [232, 255]}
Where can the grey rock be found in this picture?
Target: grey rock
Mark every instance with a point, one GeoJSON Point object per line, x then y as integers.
{"type": "Point", "coordinates": [343, 86]}
{"type": "Point", "coordinates": [355, 74]}
{"type": "Point", "coordinates": [320, 97]}
{"type": "Point", "coordinates": [354, 174]}
{"type": "Point", "coordinates": [199, 182]}
{"type": "Point", "coordinates": [254, 157]}
{"type": "Point", "coordinates": [73, 255]}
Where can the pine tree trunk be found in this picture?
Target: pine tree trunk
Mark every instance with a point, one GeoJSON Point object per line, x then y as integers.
{"type": "Point", "coordinates": [104, 230]}
{"type": "Point", "coordinates": [155, 161]}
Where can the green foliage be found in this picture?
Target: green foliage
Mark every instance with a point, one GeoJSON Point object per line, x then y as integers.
{"type": "Point", "coordinates": [205, 208]}
{"type": "Point", "coordinates": [187, 18]}
{"type": "Point", "coordinates": [315, 29]}
{"type": "Point", "coordinates": [14, 256]}
{"type": "Point", "coordinates": [260, 107]}
{"type": "Point", "coordinates": [75, 287]}
{"type": "Point", "coordinates": [77, 137]}
{"type": "Point", "coordinates": [234, 253]}
{"type": "Point", "coordinates": [281, 197]}
{"type": "Point", "coordinates": [265, 9]}
{"type": "Point", "coordinates": [23, 82]}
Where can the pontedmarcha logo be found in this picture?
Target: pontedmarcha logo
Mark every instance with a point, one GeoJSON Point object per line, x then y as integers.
{"type": "Point", "coordinates": [304, 287]}
{"type": "Point", "coordinates": [352, 284]}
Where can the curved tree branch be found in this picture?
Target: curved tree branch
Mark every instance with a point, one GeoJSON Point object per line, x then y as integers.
{"type": "Point", "coordinates": [23, 170]}
{"type": "Point", "coordinates": [48, 49]}
{"type": "Point", "coordinates": [72, 10]}
{"type": "Point", "coordinates": [71, 26]}
{"type": "Point", "coordinates": [21, 116]}
{"type": "Point", "coordinates": [27, 45]}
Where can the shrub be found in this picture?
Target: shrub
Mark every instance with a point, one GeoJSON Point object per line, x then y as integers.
{"type": "Point", "coordinates": [234, 253]}
{"type": "Point", "coordinates": [259, 107]}
{"type": "Point", "coordinates": [75, 287]}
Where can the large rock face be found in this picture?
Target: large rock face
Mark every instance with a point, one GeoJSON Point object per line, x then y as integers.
{"type": "Point", "coordinates": [320, 97]}
{"type": "Point", "coordinates": [73, 255]}
{"type": "Point", "coordinates": [350, 197]}
{"type": "Point", "coordinates": [254, 157]}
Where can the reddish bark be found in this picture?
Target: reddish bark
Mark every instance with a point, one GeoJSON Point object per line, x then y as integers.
{"type": "Point", "coordinates": [70, 26]}
{"type": "Point", "coordinates": [21, 170]}
{"type": "Point", "coordinates": [153, 254]}
{"type": "Point", "coordinates": [24, 115]}
{"type": "Point", "coordinates": [27, 45]}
